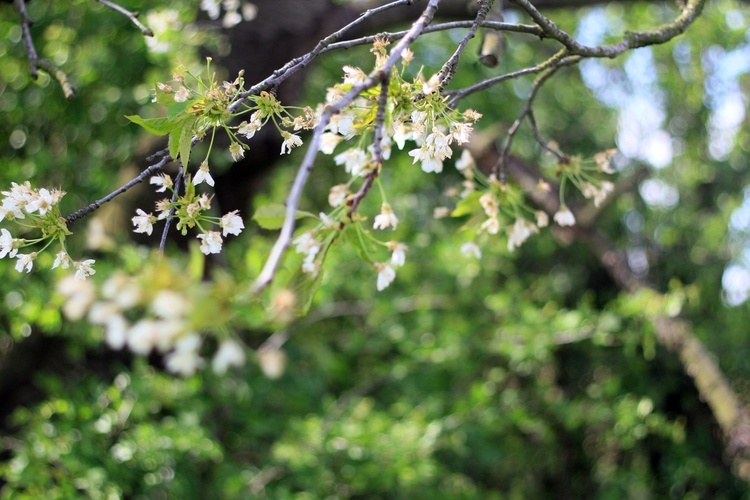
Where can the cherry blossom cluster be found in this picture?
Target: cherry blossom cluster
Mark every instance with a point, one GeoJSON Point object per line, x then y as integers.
{"type": "Point", "coordinates": [196, 106]}
{"type": "Point", "coordinates": [160, 314]}
{"type": "Point", "coordinates": [415, 113]}
{"type": "Point", "coordinates": [584, 176]}
{"type": "Point", "coordinates": [37, 210]}
{"type": "Point", "coordinates": [190, 210]}
{"type": "Point", "coordinates": [500, 207]}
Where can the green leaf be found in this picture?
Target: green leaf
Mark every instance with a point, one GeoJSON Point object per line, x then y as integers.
{"type": "Point", "coordinates": [174, 110]}
{"type": "Point", "coordinates": [467, 206]}
{"type": "Point", "coordinates": [186, 142]}
{"type": "Point", "coordinates": [353, 237]}
{"type": "Point", "coordinates": [272, 216]}
{"type": "Point", "coordinates": [156, 126]}
{"type": "Point", "coordinates": [305, 288]}
{"type": "Point", "coordinates": [174, 139]}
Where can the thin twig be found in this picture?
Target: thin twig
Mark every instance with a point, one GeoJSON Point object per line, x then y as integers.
{"type": "Point", "coordinates": [133, 16]}
{"type": "Point", "coordinates": [499, 168]}
{"type": "Point", "coordinates": [368, 40]}
{"type": "Point", "coordinates": [377, 149]}
{"type": "Point", "coordinates": [34, 62]}
{"type": "Point", "coordinates": [168, 221]}
{"type": "Point", "coordinates": [630, 40]}
{"type": "Point", "coordinates": [561, 157]}
{"type": "Point", "coordinates": [445, 75]}
{"type": "Point", "coordinates": [558, 58]}
{"type": "Point", "coordinates": [377, 76]}
{"type": "Point", "coordinates": [58, 75]}
{"type": "Point", "coordinates": [295, 65]}
{"type": "Point", "coordinates": [26, 23]}
{"type": "Point", "coordinates": [448, 70]}
{"type": "Point", "coordinates": [140, 178]}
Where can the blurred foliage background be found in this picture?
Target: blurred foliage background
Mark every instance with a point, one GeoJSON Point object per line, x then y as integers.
{"type": "Point", "coordinates": [523, 375]}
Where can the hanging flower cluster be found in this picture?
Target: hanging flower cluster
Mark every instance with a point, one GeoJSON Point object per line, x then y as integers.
{"type": "Point", "coordinates": [501, 208]}
{"type": "Point", "coordinates": [161, 313]}
{"type": "Point", "coordinates": [190, 210]}
{"type": "Point", "coordinates": [415, 114]}
{"type": "Point", "coordinates": [37, 210]}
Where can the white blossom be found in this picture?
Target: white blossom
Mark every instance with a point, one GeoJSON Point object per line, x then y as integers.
{"type": "Point", "coordinates": [605, 188]}
{"type": "Point", "coordinates": [249, 11]}
{"type": "Point", "coordinates": [337, 195]}
{"type": "Point", "coordinates": [231, 18]}
{"type": "Point", "coordinates": [237, 151]}
{"type": "Point", "coordinates": [142, 336]}
{"type": "Point", "coordinates": [231, 223]}
{"type": "Point", "coordinates": [489, 204]}
{"type": "Point", "coordinates": [342, 123]}
{"type": "Point", "coordinates": [386, 275]}
{"type": "Point", "coordinates": [353, 75]}
{"type": "Point", "coordinates": [491, 225]}
{"type": "Point", "coordinates": [466, 164]}
{"type": "Point", "coordinates": [398, 257]}
{"type": "Point", "coordinates": [461, 132]}
{"type": "Point", "coordinates": [182, 94]}
{"type": "Point", "coordinates": [203, 175]}
{"type": "Point", "coordinates": [102, 311]}
{"type": "Point", "coordinates": [230, 353]}
{"type": "Point", "coordinates": [184, 360]}
{"type": "Point", "coordinates": [84, 269]}
{"type": "Point", "coordinates": [565, 217]}
{"type": "Point", "coordinates": [41, 201]}
{"type": "Point", "coordinates": [122, 290]}
{"type": "Point", "coordinates": [143, 222]}
{"type": "Point", "coordinates": [204, 201]}
{"type": "Point", "coordinates": [163, 206]}
{"type": "Point", "coordinates": [407, 56]}
{"type": "Point", "coordinates": [603, 161]}
{"type": "Point", "coordinates": [354, 161]}
{"type": "Point", "coordinates": [310, 265]}
{"type": "Point", "coordinates": [211, 7]}
{"type": "Point", "coordinates": [7, 244]}
{"type": "Point", "coordinates": [471, 249]}
{"type": "Point", "coordinates": [520, 232]}
{"type": "Point", "coordinates": [168, 304]}
{"type": "Point", "coordinates": [418, 123]}
{"type": "Point", "coordinates": [210, 242]}
{"type": "Point", "coordinates": [306, 244]}
{"type": "Point", "coordinates": [79, 295]}
{"type": "Point", "coordinates": [328, 142]}
{"type": "Point", "coordinates": [164, 182]}
{"type": "Point", "coordinates": [248, 129]}
{"type": "Point", "coordinates": [441, 212]}
{"type": "Point", "coordinates": [400, 135]}
{"type": "Point", "coordinates": [290, 141]}
{"type": "Point", "coordinates": [272, 363]}
{"type": "Point", "coordinates": [431, 85]}
{"type": "Point", "coordinates": [115, 332]}
{"type": "Point", "coordinates": [25, 262]}
{"type": "Point", "coordinates": [542, 219]}
{"type": "Point", "coordinates": [386, 218]}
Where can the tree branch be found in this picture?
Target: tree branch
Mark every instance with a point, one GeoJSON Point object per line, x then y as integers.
{"type": "Point", "coordinates": [673, 333]}
{"type": "Point", "coordinates": [297, 64]}
{"type": "Point", "coordinates": [98, 203]}
{"type": "Point", "coordinates": [631, 39]}
{"type": "Point", "coordinates": [377, 76]}
{"type": "Point", "coordinates": [133, 16]}
{"type": "Point", "coordinates": [34, 61]}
